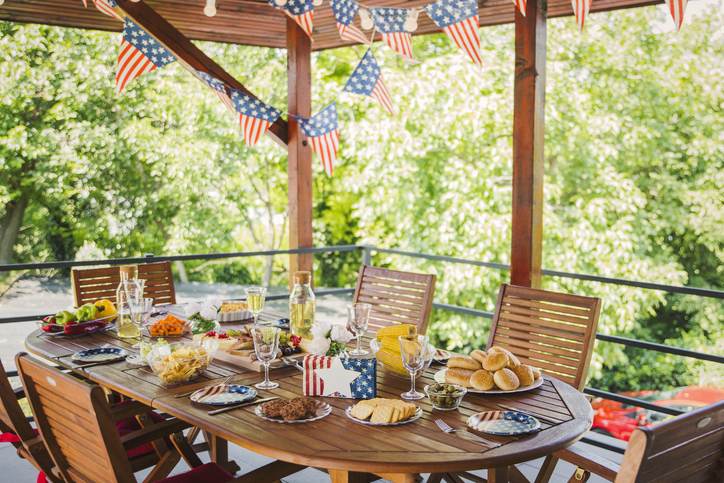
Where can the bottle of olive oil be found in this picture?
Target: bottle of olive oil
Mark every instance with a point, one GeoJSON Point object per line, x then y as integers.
{"type": "Point", "coordinates": [302, 306]}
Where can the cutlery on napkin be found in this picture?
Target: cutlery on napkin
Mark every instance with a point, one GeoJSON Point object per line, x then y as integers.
{"type": "Point", "coordinates": [248, 403]}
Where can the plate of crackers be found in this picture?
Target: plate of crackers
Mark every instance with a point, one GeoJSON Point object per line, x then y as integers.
{"type": "Point", "coordinates": [383, 412]}
{"type": "Point", "coordinates": [495, 371]}
{"type": "Point", "coordinates": [296, 410]}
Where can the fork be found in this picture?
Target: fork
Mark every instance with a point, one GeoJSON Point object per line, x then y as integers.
{"type": "Point", "coordinates": [444, 427]}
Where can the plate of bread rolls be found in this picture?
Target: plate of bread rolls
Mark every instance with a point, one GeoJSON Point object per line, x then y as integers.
{"type": "Point", "coordinates": [495, 371]}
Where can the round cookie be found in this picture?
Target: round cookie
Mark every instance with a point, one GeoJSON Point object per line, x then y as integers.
{"type": "Point", "coordinates": [478, 355]}
{"type": "Point", "coordinates": [495, 361]}
{"type": "Point", "coordinates": [463, 362]}
{"type": "Point", "coordinates": [506, 379]}
{"type": "Point", "coordinates": [456, 375]}
{"type": "Point", "coordinates": [482, 380]}
{"type": "Point", "coordinates": [525, 374]}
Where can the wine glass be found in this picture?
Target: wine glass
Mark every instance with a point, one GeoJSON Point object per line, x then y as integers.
{"type": "Point", "coordinates": [255, 297]}
{"type": "Point", "coordinates": [266, 345]}
{"type": "Point", "coordinates": [358, 316]}
{"type": "Point", "coordinates": [414, 351]}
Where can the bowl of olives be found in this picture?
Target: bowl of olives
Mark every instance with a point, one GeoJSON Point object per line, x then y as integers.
{"type": "Point", "coordinates": [445, 396]}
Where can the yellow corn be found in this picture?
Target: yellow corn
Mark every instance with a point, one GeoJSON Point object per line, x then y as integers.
{"type": "Point", "coordinates": [391, 360]}
{"type": "Point", "coordinates": [396, 331]}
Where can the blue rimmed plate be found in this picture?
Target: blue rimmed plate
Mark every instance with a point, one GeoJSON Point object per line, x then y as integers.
{"type": "Point", "coordinates": [504, 423]}
{"type": "Point", "coordinates": [100, 354]}
{"type": "Point", "coordinates": [223, 394]}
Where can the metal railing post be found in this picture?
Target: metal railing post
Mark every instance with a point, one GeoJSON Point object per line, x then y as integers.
{"type": "Point", "coordinates": [366, 254]}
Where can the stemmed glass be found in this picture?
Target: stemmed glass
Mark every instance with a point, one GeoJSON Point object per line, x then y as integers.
{"type": "Point", "coordinates": [358, 316]}
{"type": "Point", "coordinates": [414, 351]}
{"type": "Point", "coordinates": [266, 345]}
{"type": "Point", "coordinates": [130, 308]}
{"type": "Point", "coordinates": [255, 297]}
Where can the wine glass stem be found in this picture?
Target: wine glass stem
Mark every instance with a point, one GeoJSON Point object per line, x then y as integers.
{"type": "Point", "coordinates": [412, 381]}
{"type": "Point", "coordinates": [359, 341]}
{"type": "Point", "coordinates": [266, 373]}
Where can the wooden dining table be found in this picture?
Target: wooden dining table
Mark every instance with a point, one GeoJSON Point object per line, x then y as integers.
{"type": "Point", "coordinates": [348, 451]}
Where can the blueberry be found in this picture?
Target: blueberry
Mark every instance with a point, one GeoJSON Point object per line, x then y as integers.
{"type": "Point", "coordinates": [287, 351]}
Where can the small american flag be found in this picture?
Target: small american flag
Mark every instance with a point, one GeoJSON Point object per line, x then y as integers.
{"type": "Point", "coordinates": [219, 89]}
{"type": "Point", "coordinates": [255, 117]}
{"type": "Point", "coordinates": [140, 53]}
{"type": "Point", "coordinates": [522, 5]}
{"type": "Point", "coordinates": [322, 131]}
{"type": "Point", "coordinates": [676, 9]}
{"type": "Point", "coordinates": [367, 80]}
{"type": "Point", "coordinates": [344, 12]}
{"type": "Point", "coordinates": [391, 24]}
{"type": "Point", "coordinates": [580, 9]}
{"type": "Point", "coordinates": [363, 387]}
{"type": "Point", "coordinates": [459, 20]}
{"type": "Point", "coordinates": [106, 6]}
{"type": "Point", "coordinates": [302, 11]}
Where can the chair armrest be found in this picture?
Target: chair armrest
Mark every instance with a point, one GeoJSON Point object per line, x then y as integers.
{"type": "Point", "coordinates": [128, 409]}
{"type": "Point", "coordinates": [589, 461]}
{"type": "Point", "coordinates": [153, 432]}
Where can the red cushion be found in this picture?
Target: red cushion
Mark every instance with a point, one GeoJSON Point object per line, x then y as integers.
{"type": "Point", "coordinates": [208, 473]}
{"type": "Point", "coordinates": [130, 425]}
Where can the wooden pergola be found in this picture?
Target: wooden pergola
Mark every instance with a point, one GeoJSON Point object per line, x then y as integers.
{"type": "Point", "coordinates": [174, 23]}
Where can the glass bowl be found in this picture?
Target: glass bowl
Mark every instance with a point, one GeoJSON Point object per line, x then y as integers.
{"type": "Point", "coordinates": [181, 362]}
{"type": "Point", "coordinates": [445, 396]}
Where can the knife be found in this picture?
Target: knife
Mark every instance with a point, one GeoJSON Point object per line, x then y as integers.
{"type": "Point", "coordinates": [248, 403]}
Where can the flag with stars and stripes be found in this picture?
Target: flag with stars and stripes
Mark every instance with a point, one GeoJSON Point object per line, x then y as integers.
{"type": "Point", "coordinates": [356, 378]}
{"type": "Point", "coordinates": [322, 131]}
{"type": "Point", "coordinates": [344, 12]}
{"type": "Point", "coordinates": [580, 10]}
{"type": "Point", "coordinates": [367, 80]}
{"type": "Point", "coordinates": [255, 117]}
{"type": "Point", "coordinates": [106, 6]}
{"type": "Point", "coordinates": [521, 4]}
{"type": "Point", "coordinates": [459, 20]}
{"type": "Point", "coordinates": [677, 9]}
{"type": "Point", "coordinates": [390, 22]}
{"type": "Point", "coordinates": [302, 11]}
{"type": "Point", "coordinates": [140, 53]}
{"type": "Point", "coordinates": [219, 89]}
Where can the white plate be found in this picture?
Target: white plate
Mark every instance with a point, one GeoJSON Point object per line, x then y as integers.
{"type": "Point", "coordinates": [440, 377]}
{"type": "Point", "coordinates": [414, 417]}
{"type": "Point", "coordinates": [504, 423]}
{"type": "Point", "coordinates": [100, 354]}
{"type": "Point", "coordinates": [223, 395]}
{"type": "Point", "coordinates": [323, 411]}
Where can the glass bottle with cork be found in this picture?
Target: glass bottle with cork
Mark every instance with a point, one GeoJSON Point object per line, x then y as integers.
{"type": "Point", "coordinates": [124, 323]}
{"type": "Point", "coordinates": [302, 306]}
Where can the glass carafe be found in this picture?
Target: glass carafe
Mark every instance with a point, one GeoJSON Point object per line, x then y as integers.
{"type": "Point", "coordinates": [301, 306]}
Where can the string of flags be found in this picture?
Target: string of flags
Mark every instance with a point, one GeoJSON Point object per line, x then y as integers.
{"type": "Point", "coordinates": [140, 53]}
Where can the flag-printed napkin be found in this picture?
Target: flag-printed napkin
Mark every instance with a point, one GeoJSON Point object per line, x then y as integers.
{"type": "Point", "coordinates": [339, 377]}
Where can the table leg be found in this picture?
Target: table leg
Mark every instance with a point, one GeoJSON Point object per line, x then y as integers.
{"type": "Point", "coordinates": [219, 452]}
{"type": "Point", "coordinates": [498, 475]}
{"type": "Point", "coordinates": [344, 476]}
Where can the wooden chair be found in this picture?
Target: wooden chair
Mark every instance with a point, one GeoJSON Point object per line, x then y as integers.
{"type": "Point", "coordinates": [92, 284]}
{"type": "Point", "coordinates": [13, 423]}
{"type": "Point", "coordinates": [396, 297]}
{"type": "Point", "coordinates": [688, 448]}
{"type": "Point", "coordinates": [79, 429]}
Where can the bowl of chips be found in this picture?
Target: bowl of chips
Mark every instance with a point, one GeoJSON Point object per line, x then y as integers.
{"type": "Point", "coordinates": [181, 362]}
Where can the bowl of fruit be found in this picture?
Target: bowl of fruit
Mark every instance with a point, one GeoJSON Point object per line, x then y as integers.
{"type": "Point", "coordinates": [86, 319]}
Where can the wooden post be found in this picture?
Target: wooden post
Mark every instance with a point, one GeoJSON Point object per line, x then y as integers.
{"type": "Point", "coordinates": [299, 86]}
{"type": "Point", "coordinates": [528, 112]}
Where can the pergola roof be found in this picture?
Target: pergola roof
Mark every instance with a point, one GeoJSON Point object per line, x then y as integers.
{"type": "Point", "coordinates": [255, 22]}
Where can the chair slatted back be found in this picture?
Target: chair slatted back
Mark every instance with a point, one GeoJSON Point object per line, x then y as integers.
{"type": "Point", "coordinates": [75, 421]}
{"type": "Point", "coordinates": [12, 418]}
{"type": "Point", "coordinates": [396, 297]}
{"type": "Point", "coordinates": [92, 284]}
{"type": "Point", "coordinates": [159, 282]}
{"type": "Point", "coordinates": [688, 448]}
{"type": "Point", "coordinates": [552, 331]}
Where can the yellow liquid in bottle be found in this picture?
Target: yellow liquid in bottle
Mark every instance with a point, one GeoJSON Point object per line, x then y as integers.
{"type": "Point", "coordinates": [255, 302]}
{"type": "Point", "coordinates": [301, 318]}
{"type": "Point", "coordinates": [127, 329]}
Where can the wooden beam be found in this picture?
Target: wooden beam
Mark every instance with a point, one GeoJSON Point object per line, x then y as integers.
{"type": "Point", "coordinates": [299, 86]}
{"type": "Point", "coordinates": [188, 55]}
{"type": "Point", "coordinates": [528, 128]}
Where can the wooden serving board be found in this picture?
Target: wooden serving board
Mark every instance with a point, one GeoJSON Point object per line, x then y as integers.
{"type": "Point", "coordinates": [243, 358]}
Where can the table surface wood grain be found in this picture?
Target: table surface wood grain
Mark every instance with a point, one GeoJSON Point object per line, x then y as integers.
{"type": "Point", "coordinates": [336, 442]}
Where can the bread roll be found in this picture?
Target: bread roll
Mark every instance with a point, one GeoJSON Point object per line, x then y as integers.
{"type": "Point", "coordinates": [506, 379]}
{"type": "Point", "coordinates": [456, 375]}
{"type": "Point", "coordinates": [482, 380]}
{"type": "Point", "coordinates": [478, 355]}
{"type": "Point", "coordinates": [495, 361]}
{"type": "Point", "coordinates": [463, 362]}
{"type": "Point", "coordinates": [536, 372]}
{"type": "Point", "coordinates": [525, 374]}
{"type": "Point", "coordinates": [513, 361]}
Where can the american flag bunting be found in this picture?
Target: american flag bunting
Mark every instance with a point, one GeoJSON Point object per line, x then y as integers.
{"type": "Point", "coordinates": [459, 20]}
{"type": "Point", "coordinates": [302, 11]}
{"type": "Point", "coordinates": [521, 4]}
{"type": "Point", "coordinates": [344, 13]}
{"type": "Point", "coordinates": [390, 22]}
{"type": "Point", "coordinates": [677, 9]}
{"type": "Point", "coordinates": [322, 131]}
{"type": "Point", "coordinates": [580, 9]}
{"type": "Point", "coordinates": [219, 89]}
{"type": "Point", "coordinates": [367, 80]}
{"type": "Point", "coordinates": [106, 6]}
{"type": "Point", "coordinates": [364, 386]}
{"type": "Point", "coordinates": [255, 117]}
{"type": "Point", "coordinates": [140, 53]}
